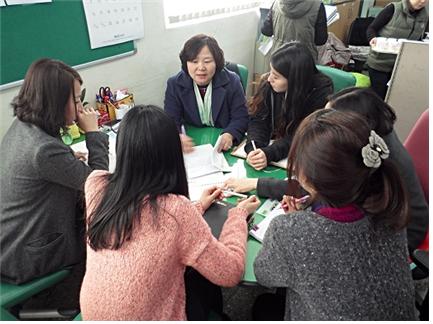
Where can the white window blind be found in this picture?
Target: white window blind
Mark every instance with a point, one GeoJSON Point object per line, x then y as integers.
{"type": "Point", "coordinates": [177, 11]}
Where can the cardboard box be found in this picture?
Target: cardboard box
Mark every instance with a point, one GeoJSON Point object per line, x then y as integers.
{"type": "Point", "coordinates": [348, 12]}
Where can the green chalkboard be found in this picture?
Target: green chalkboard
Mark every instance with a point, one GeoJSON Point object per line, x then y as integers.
{"type": "Point", "coordinates": [56, 30]}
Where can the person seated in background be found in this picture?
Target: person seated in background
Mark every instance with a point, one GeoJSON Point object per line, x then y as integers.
{"type": "Point", "coordinates": [405, 19]}
{"type": "Point", "coordinates": [381, 118]}
{"type": "Point", "coordinates": [300, 20]}
{"type": "Point", "coordinates": [346, 257]}
{"type": "Point", "coordinates": [42, 180]}
{"type": "Point", "coordinates": [204, 93]}
{"type": "Point", "coordinates": [143, 231]}
{"type": "Point", "coordinates": [291, 91]}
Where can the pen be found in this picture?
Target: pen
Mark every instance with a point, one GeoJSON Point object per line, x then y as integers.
{"type": "Point", "coordinates": [232, 193]}
{"type": "Point", "coordinates": [182, 130]}
{"type": "Point", "coordinates": [254, 145]}
{"type": "Point", "coordinates": [302, 200]}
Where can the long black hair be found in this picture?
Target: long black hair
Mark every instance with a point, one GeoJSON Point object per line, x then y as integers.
{"type": "Point", "coordinates": [149, 163]}
{"type": "Point", "coordinates": [42, 99]}
{"type": "Point", "coordinates": [379, 115]}
{"type": "Point", "coordinates": [294, 62]}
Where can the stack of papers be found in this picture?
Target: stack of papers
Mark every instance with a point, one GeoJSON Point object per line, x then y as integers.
{"type": "Point", "coordinates": [204, 169]}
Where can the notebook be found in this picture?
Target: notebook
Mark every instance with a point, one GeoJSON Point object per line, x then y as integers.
{"type": "Point", "coordinates": [239, 152]}
{"type": "Point", "coordinates": [216, 216]}
{"type": "Point", "coordinates": [258, 231]}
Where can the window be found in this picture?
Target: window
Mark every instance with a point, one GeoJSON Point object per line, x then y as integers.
{"type": "Point", "coordinates": [188, 11]}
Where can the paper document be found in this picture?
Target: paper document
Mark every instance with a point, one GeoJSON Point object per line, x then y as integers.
{"type": "Point", "coordinates": [258, 232]}
{"type": "Point", "coordinates": [239, 151]}
{"type": "Point", "coordinates": [265, 44]}
{"type": "Point", "coordinates": [197, 185]}
{"type": "Point", "coordinates": [332, 14]}
{"type": "Point", "coordinates": [205, 160]}
{"type": "Point", "coordinates": [81, 147]}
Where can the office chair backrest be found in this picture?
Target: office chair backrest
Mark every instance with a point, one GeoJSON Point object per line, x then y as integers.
{"type": "Point", "coordinates": [357, 35]}
{"type": "Point", "coordinates": [340, 79]}
{"type": "Point", "coordinates": [241, 71]}
{"type": "Point", "coordinates": [417, 145]}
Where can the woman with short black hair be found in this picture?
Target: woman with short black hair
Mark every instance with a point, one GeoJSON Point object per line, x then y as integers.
{"type": "Point", "coordinates": [205, 93]}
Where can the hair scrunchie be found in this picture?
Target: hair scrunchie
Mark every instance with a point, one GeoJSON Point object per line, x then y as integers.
{"type": "Point", "coordinates": [375, 151]}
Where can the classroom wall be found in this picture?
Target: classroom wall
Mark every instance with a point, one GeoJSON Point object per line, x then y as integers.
{"type": "Point", "coordinates": [145, 73]}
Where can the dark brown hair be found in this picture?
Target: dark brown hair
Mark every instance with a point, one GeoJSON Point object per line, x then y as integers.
{"type": "Point", "coordinates": [44, 95]}
{"type": "Point", "coordinates": [294, 62]}
{"type": "Point", "coordinates": [326, 151]}
{"type": "Point", "coordinates": [194, 45]}
{"type": "Point", "coordinates": [379, 115]}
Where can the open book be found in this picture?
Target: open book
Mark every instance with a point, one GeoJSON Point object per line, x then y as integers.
{"type": "Point", "coordinates": [239, 152]}
{"type": "Point", "coordinates": [205, 160]}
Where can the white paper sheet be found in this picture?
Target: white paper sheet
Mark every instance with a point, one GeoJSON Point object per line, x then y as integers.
{"type": "Point", "coordinates": [81, 147]}
{"type": "Point", "coordinates": [204, 160]}
{"type": "Point", "coordinates": [112, 22]}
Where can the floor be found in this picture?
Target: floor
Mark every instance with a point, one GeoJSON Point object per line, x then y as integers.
{"type": "Point", "coordinates": [239, 300]}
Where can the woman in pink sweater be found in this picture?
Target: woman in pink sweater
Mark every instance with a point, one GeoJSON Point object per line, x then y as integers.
{"type": "Point", "coordinates": [143, 231]}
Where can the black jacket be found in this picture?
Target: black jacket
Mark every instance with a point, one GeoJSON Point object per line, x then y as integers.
{"type": "Point", "coordinates": [261, 125]}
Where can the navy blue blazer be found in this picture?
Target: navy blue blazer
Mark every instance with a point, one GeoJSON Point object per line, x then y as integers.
{"type": "Point", "coordinates": [229, 109]}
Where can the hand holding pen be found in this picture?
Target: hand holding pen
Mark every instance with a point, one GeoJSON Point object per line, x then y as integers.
{"type": "Point", "coordinates": [291, 204]}
{"type": "Point", "coordinates": [186, 141]}
{"type": "Point", "coordinates": [257, 158]}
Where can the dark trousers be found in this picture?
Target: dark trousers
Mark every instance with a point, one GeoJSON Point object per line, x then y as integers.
{"type": "Point", "coordinates": [270, 307]}
{"type": "Point", "coordinates": [64, 295]}
{"type": "Point", "coordinates": [202, 296]}
{"type": "Point", "coordinates": [379, 81]}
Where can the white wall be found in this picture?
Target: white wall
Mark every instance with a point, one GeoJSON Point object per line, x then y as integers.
{"type": "Point", "coordinates": [145, 73]}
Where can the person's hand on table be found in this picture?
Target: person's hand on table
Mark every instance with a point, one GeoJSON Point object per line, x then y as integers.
{"type": "Point", "coordinates": [257, 159]}
{"type": "Point", "coordinates": [87, 119]}
{"type": "Point", "coordinates": [250, 204]}
{"type": "Point", "coordinates": [187, 143]}
{"type": "Point", "coordinates": [226, 142]}
{"type": "Point", "coordinates": [292, 204]}
{"type": "Point", "coordinates": [373, 42]}
{"type": "Point", "coordinates": [209, 195]}
{"type": "Point", "coordinates": [241, 185]}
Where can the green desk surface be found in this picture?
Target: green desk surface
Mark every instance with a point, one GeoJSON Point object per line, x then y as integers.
{"type": "Point", "coordinates": [210, 135]}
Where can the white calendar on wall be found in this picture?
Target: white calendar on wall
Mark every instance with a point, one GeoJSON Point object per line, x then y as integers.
{"type": "Point", "coordinates": [112, 22]}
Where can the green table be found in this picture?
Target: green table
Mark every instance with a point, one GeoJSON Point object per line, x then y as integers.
{"type": "Point", "coordinates": [209, 135]}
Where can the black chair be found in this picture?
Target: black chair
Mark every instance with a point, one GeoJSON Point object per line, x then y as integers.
{"type": "Point", "coordinates": [420, 258]}
{"type": "Point", "coordinates": [358, 42]}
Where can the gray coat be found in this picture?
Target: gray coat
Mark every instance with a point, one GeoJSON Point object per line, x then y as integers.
{"type": "Point", "coordinates": [41, 183]}
{"type": "Point", "coordinates": [337, 271]}
{"type": "Point", "coordinates": [418, 208]}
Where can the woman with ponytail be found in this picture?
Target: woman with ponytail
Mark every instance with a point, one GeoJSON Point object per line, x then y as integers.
{"type": "Point", "coordinates": [346, 257]}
